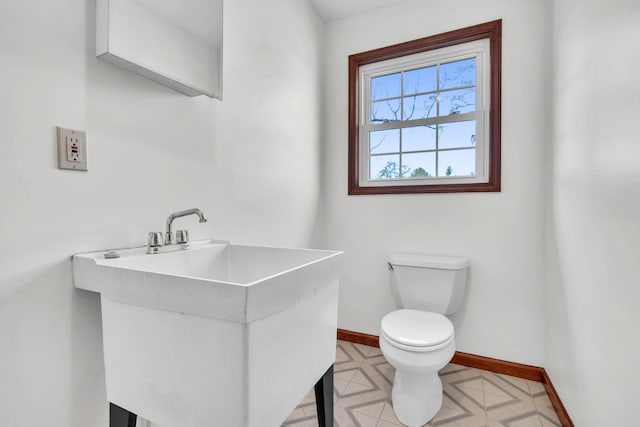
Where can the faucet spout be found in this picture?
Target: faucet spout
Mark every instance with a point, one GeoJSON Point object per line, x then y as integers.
{"type": "Point", "coordinates": [168, 237]}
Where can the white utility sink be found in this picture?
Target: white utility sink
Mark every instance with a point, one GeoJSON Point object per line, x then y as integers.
{"type": "Point", "coordinates": [215, 335]}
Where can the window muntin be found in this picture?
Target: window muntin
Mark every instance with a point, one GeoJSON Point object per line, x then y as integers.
{"type": "Point", "coordinates": [423, 116]}
{"type": "Point", "coordinates": [410, 105]}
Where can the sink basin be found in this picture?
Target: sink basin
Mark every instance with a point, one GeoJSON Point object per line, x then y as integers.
{"type": "Point", "coordinates": [218, 334]}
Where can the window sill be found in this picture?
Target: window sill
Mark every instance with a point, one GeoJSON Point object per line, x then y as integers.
{"type": "Point", "coordinates": [355, 189]}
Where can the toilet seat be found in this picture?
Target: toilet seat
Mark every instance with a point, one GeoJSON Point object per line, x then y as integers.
{"type": "Point", "coordinates": [416, 330]}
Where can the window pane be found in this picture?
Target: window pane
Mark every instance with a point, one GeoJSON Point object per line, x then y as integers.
{"type": "Point", "coordinates": [385, 86]}
{"type": "Point", "coordinates": [384, 141]}
{"type": "Point", "coordinates": [458, 73]}
{"type": "Point", "coordinates": [384, 111]}
{"type": "Point", "coordinates": [384, 167]}
{"type": "Point", "coordinates": [419, 107]}
{"type": "Point", "coordinates": [419, 138]}
{"type": "Point", "coordinates": [457, 101]}
{"type": "Point", "coordinates": [457, 134]}
{"type": "Point", "coordinates": [457, 163]}
{"type": "Point", "coordinates": [420, 80]}
{"type": "Point", "coordinates": [419, 165]}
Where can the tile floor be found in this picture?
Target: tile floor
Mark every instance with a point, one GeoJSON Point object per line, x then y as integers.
{"type": "Point", "coordinates": [472, 397]}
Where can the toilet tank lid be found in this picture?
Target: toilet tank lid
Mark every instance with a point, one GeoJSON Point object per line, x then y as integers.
{"type": "Point", "coordinates": [429, 261]}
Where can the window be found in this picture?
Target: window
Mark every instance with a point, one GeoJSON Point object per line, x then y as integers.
{"type": "Point", "coordinates": [424, 116]}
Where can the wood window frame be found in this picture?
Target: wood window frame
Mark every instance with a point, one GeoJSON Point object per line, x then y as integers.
{"type": "Point", "coordinates": [489, 30]}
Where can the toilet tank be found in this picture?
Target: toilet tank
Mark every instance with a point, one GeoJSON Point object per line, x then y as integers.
{"type": "Point", "coordinates": [429, 283]}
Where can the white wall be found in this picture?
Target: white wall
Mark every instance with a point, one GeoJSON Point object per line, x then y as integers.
{"type": "Point", "coordinates": [151, 151]}
{"type": "Point", "coordinates": [502, 233]}
{"type": "Point", "coordinates": [593, 228]}
{"type": "Point", "coordinates": [269, 164]}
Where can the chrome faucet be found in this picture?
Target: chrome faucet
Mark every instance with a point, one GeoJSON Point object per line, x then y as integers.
{"type": "Point", "coordinates": [172, 242]}
{"type": "Point", "coordinates": [169, 238]}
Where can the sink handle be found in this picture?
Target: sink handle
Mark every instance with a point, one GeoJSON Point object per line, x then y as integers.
{"type": "Point", "coordinates": [182, 237]}
{"type": "Point", "coordinates": [155, 239]}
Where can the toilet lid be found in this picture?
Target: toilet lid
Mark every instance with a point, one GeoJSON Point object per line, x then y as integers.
{"type": "Point", "coordinates": [417, 328]}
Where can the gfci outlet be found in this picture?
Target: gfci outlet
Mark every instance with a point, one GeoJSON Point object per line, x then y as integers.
{"type": "Point", "coordinates": [72, 149]}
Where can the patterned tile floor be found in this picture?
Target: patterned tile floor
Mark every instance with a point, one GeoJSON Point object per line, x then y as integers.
{"type": "Point", "coordinates": [472, 397]}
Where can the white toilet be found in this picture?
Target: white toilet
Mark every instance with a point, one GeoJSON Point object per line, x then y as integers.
{"type": "Point", "coordinates": [418, 340]}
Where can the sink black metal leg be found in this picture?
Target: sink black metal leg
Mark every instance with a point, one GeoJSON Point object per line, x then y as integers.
{"type": "Point", "coordinates": [120, 417]}
{"type": "Point", "coordinates": [324, 399]}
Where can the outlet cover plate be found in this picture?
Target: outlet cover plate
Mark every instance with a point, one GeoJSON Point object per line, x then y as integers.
{"type": "Point", "coordinates": [72, 149]}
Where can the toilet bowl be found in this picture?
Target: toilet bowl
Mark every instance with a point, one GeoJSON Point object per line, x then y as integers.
{"type": "Point", "coordinates": [418, 340]}
{"type": "Point", "coordinates": [417, 344]}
